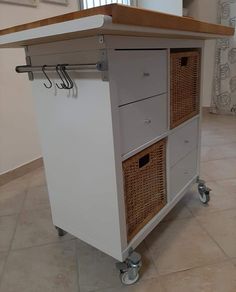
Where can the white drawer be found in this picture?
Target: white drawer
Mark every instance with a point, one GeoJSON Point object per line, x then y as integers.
{"type": "Point", "coordinates": [139, 74]}
{"type": "Point", "coordinates": [142, 121]}
{"type": "Point", "coordinates": [182, 173]}
{"type": "Point", "coordinates": [183, 141]}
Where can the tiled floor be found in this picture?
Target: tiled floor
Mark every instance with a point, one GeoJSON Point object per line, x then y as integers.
{"type": "Point", "coordinates": [193, 249]}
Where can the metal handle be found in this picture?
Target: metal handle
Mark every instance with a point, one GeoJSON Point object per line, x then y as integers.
{"type": "Point", "coordinates": [147, 121]}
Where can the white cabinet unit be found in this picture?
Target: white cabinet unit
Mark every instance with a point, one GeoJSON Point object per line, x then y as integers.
{"type": "Point", "coordinates": [111, 119]}
{"type": "Point", "coordinates": [118, 111]}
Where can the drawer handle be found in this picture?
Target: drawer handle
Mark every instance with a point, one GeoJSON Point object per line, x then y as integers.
{"type": "Point", "coordinates": [184, 61]}
{"type": "Point", "coordinates": [146, 74]}
{"type": "Point", "coordinates": [144, 160]}
{"type": "Point", "coordinates": [186, 141]}
{"type": "Point", "coordinates": [147, 121]}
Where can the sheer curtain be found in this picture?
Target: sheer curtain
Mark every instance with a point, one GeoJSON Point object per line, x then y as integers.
{"type": "Point", "coordinates": [224, 83]}
{"type": "Point", "coordinates": [84, 4]}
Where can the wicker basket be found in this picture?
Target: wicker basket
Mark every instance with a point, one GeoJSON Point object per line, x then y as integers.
{"type": "Point", "coordinates": [185, 85]}
{"type": "Point", "coordinates": [144, 186]}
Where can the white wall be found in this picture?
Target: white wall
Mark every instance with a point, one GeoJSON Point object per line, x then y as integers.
{"type": "Point", "coordinates": [19, 141]}
{"type": "Point", "coordinates": [206, 11]}
{"type": "Point", "coordinates": [167, 6]}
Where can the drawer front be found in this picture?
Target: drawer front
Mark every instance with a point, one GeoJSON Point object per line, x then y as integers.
{"type": "Point", "coordinates": [183, 141]}
{"type": "Point", "coordinates": [182, 173]}
{"type": "Point", "coordinates": [139, 74]}
{"type": "Point", "coordinates": [142, 121]}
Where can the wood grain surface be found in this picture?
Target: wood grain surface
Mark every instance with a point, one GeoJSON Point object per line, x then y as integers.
{"type": "Point", "coordinates": [122, 14]}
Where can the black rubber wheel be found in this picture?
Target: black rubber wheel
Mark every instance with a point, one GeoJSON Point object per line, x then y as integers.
{"type": "Point", "coordinates": [60, 232]}
{"type": "Point", "coordinates": [204, 197]}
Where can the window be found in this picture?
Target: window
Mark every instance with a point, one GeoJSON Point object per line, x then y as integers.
{"type": "Point", "coordinates": [85, 4]}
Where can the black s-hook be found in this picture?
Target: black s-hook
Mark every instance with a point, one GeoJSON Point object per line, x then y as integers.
{"type": "Point", "coordinates": [50, 82]}
{"type": "Point", "coordinates": [66, 76]}
{"type": "Point", "coordinates": [63, 85]}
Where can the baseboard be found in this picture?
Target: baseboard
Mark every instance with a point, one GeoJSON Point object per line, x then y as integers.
{"type": "Point", "coordinates": [205, 109]}
{"type": "Point", "coordinates": [20, 171]}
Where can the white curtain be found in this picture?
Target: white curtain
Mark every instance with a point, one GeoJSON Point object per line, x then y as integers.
{"type": "Point", "coordinates": [85, 4]}
{"type": "Point", "coordinates": [224, 83]}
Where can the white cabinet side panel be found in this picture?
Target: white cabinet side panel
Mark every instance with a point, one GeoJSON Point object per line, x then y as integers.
{"type": "Point", "coordinates": [77, 142]}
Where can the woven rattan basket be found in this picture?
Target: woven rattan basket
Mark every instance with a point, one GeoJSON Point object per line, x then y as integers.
{"type": "Point", "coordinates": [144, 186]}
{"type": "Point", "coordinates": [185, 86]}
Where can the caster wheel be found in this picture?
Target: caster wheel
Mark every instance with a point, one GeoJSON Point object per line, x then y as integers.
{"type": "Point", "coordinates": [126, 278]}
{"type": "Point", "coordinates": [205, 197]}
{"type": "Point", "coordinates": [129, 270]}
{"type": "Point", "coordinates": [204, 193]}
{"type": "Point", "coordinates": [60, 232]}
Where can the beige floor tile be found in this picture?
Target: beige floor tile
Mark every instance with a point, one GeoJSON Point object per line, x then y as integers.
{"type": "Point", "coordinates": [211, 139]}
{"type": "Point", "coordinates": [37, 177]}
{"type": "Point", "coordinates": [3, 256]}
{"type": "Point", "coordinates": [222, 227]}
{"type": "Point", "coordinates": [204, 174]}
{"type": "Point", "coordinates": [50, 268]}
{"type": "Point", "coordinates": [11, 197]}
{"type": "Point", "coordinates": [37, 198]}
{"type": "Point", "coordinates": [181, 244]}
{"type": "Point", "coordinates": [97, 271]}
{"type": "Point", "coordinates": [216, 278]}
{"type": "Point", "coordinates": [229, 185]}
{"type": "Point", "coordinates": [220, 199]}
{"type": "Point", "coordinates": [35, 227]}
{"type": "Point", "coordinates": [218, 152]}
{"type": "Point", "coordinates": [152, 285]}
{"type": "Point", "coordinates": [218, 121]}
{"type": "Point", "coordinates": [178, 212]}
{"type": "Point", "coordinates": [18, 184]}
{"type": "Point", "coordinates": [218, 137]}
{"type": "Point", "coordinates": [220, 169]}
{"type": "Point", "coordinates": [7, 229]}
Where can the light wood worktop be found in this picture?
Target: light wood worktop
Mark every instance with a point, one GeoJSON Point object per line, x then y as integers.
{"type": "Point", "coordinates": [121, 15]}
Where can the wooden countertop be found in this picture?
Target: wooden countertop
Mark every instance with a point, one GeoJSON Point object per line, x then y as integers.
{"type": "Point", "coordinates": [131, 16]}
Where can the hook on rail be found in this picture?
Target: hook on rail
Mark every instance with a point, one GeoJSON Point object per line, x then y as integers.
{"type": "Point", "coordinates": [50, 82]}
{"type": "Point", "coordinates": [66, 76]}
{"type": "Point", "coordinates": [63, 85]}
{"type": "Point", "coordinates": [67, 83]}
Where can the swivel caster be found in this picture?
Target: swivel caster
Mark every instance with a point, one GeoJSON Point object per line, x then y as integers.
{"type": "Point", "coordinates": [204, 192]}
{"type": "Point", "coordinates": [129, 270]}
{"type": "Point", "coordinates": [60, 231]}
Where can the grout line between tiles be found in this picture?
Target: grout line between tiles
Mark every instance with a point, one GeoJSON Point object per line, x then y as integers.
{"type": "Point", "coordinates": [218, 159]}
{"type": "Point", "coordinates": [226, 260]}
{"type": "Point", "coordinates": [211, 212]}
{"type": "Point", "coordinates": [212, 238]}
{"type": "Point", "coordinates": [195, 267]}
{"type": "Point", "coordinates": [133, 285]}
{"type": "Point", "coordinates": [150, 257]}
{"type": "Point", "coordinates": [14, 232]}
{"type": "Point", "coordinates": [43, 244]}
{"type": "Point", "coordinates": [77, 265]}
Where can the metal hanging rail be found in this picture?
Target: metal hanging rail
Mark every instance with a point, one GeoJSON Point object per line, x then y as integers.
{"type": "Point", "coordinates": [61, 70]}
{"type": "Point", "coordinates": [100, 66]}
